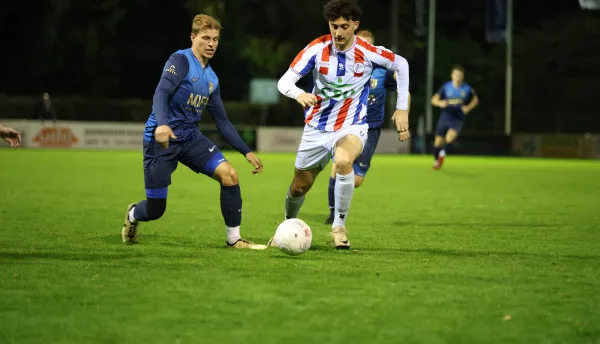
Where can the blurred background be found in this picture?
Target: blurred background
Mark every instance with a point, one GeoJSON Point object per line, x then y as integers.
{"type": "Point", "coordinates": [101, 61]}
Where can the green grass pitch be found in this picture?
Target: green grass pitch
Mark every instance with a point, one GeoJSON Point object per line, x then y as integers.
{"type": "Point", "coordinates": [487, 250]}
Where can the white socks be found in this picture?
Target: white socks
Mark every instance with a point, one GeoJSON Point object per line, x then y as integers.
{"type": "Point", "coordinates": [233, 234]}
{"type": "Point", "coordinates": [344, 189]}
{"type": "Point", "coordinates": [131, 217]}
{"type": "Point", "coordinates": [292, 205]}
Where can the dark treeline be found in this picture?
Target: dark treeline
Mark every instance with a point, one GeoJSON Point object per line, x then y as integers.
{"type": "Point", "coordinates": [116, 48]}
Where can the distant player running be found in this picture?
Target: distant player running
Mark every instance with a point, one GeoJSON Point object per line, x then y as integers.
{"type": "Point", "coordinates": [187, 86]}
{"type": "Point", "coordinates": [335, 111]}
{"type": "Point", "coordinates": [382, 81]}
{"type": "Point", "coordinates": [456, 99]}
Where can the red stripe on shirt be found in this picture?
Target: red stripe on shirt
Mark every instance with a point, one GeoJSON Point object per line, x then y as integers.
{"type": "Point", "coordinates": [342, 115]}
{"type": "Point", "coordinates": [322, 39]}
{"type": "Point", "coordinates": [315, 109]}
{"type": "Point", "coordinates": [325, 59]}
{"type": "Point", "coordinates": [381, 52]}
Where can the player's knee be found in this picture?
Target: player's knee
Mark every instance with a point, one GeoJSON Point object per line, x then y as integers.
{"type": "Point", "coordinates": [343, 166]}
{"type": "Point", "coordinates": [299, 189]}
{"type": "Point", "coordinates": [438, 142]}
{"type": "Point", "coordinates": [155, 208]}
{"type": "Point", "coordinates": [229, 177]}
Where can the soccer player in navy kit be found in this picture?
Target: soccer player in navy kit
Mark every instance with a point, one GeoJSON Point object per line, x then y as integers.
{"type": "Point", "coordinates": [187, 86]}
{"type": "Point", "coordinates": [456, 99]}
{"type": "Point", "coordinates": [382, 81]}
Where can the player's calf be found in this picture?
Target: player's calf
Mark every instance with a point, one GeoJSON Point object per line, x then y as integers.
{"type": "Point", "coordinates": [345, 154]}
{"type": "Point", "coordinates": [358, 180]}
{"type": "Point", "coordinates": [147, 210]}
{"type": "Point", "coordinates": [301, 184]}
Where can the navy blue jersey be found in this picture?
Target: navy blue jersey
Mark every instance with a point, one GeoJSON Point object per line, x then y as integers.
{"type": "Point", "coordinates": [185, 89]}
{"type": "Point", "coordinates": [382, 81]}
{"type": "Point", "coordinates": [456, 97]}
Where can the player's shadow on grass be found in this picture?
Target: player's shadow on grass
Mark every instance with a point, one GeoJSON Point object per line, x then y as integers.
{"type": "Point", "coordinates": [71, 256]}
{"type": "Point", "coordinates": [155, 239]}
{"type": "Point", "coordinates": [474, 224]}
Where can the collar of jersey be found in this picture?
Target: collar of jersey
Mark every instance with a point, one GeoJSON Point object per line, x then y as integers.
{"type": "Point", "coordinates": [343, 51]}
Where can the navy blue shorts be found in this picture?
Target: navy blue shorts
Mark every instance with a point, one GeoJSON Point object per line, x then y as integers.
{"type": "Point", "coordinates": [198, 153]}
{"type": "Point", "coordinates": [363, 162]}
{"type": "Point", "coordinates": [445, 123]}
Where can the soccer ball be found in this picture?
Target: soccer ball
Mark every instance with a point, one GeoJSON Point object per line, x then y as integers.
{"type": "Point", "coordinates": [293, 236]}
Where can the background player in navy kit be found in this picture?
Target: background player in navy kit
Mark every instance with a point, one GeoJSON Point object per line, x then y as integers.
{"type": "Point", "coordinates": [382, 81]}
{"type": "Point", "coordinates": [456, 99]}
{"type": "Point", "coordinates": [187, 86]}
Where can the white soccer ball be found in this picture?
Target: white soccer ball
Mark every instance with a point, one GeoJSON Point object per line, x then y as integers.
{"type": "Point", "coordinates": [293, 236]}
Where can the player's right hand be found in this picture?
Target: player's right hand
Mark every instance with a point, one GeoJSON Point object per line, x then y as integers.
{"type": "Point", "coordinates": [163, 134]}
{"type": "Point", "coordinates": [307, 100]}
{"type": "Point", "coordinates": [255, 161]}
{"type": "Point", "coordinates": [400, 119]}
{"type": "Point", "coordinates": [443, 104]}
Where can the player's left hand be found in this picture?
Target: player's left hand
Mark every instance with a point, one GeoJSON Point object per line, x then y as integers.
{"type": "Point", "coordinates": [400, 118]}
{"type": "Point", "coordinates": [255, 161]}
{"type": "Point", "coordinates": [11, 136]}
{"type": "Point", "coordinates": [465, 109]}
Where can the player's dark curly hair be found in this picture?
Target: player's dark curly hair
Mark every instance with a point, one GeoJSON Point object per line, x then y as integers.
{"type": "Point", "coordinates": [347, 9]}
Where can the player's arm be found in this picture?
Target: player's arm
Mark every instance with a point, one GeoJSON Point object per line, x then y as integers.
{"type": "Point", "coordinates": [175, 71]}
{"type": "Point", "coordinates": [216, 108]}
{"type": "Point", "coordinates": [387, 59]}
{"type": "Point", "coordinates": [302, 65]}
{"type": "Point", "coordinates": [439, 98]}
{"type": "Point", "coordinates": [472, 104]}
{"type": "Point", "coordinates": [390, 84]}
{"type": "Point", "coordinates": [399, 65]}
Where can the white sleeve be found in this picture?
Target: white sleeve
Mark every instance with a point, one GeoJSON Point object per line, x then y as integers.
{"type": "Point", "coordinates": [400, 65]}
{"type": "Point", "coordinates": [287, 84]}
{"type": "Point", "coordinates": [387, 59]}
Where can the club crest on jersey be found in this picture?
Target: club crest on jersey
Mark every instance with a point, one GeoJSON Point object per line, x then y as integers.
{"type": "Point", "coordinates": [211, 87]}
{"type": "Point", "coordinates": [359, 68]}
{"type": "Point", "coordinates": [373, 83]}
{"type": "Point", "coordinates": [462, 93]}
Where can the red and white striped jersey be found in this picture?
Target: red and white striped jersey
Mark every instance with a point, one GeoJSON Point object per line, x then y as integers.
{"type": "Point", "coordinates": [341, 80]}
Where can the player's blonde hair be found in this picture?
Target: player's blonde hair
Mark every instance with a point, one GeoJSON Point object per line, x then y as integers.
{"type": "Point", "coordinates": [367, 34]}
{"type": "Point", "coordinates": [204, 22]}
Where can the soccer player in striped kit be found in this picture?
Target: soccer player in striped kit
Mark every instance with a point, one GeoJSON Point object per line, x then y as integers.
{"type": "Point", "coordinates": [335, 112]}
{"type": "Point", "coordinates": [382, 81]}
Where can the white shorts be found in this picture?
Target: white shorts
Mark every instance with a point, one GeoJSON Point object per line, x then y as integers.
{"type": "Point", "coordinates": [317, 146]}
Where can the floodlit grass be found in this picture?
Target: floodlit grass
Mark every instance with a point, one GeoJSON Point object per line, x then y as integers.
{"type": "Point", "coordinates": [485, 250]}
